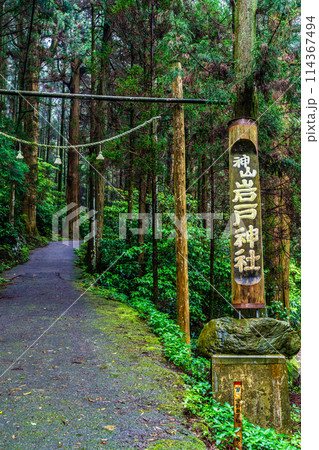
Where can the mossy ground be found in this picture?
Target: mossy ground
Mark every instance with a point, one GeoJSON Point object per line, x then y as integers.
{"type": "Point", "coordinates": [96, 377]}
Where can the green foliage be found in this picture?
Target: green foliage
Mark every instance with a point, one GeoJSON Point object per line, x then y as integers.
{"type": "Point", "coordinates": [293, 315]}
{"type": "Point", "coordinates": [296, 414]}
{"type": "Point", "coordinates": [123, 275]}
{"type": "Point", "coordinates": [199, 34]}
{"type": "Point", "coordinates": [15, 246]}
{"type": "Point", "coordinates": [293, 370]}
{"type": "Point", "coordinates": [48, 197]}
{"type": "Point", "coordinates": [199, 401]}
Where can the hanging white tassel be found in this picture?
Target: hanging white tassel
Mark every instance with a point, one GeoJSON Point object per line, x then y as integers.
{"type": "Point", "coordinates": [100, 156]}
{"type": "Point", "coordinates": [58, 161]}
{"type": "Point", "coordinates": [19, 155]}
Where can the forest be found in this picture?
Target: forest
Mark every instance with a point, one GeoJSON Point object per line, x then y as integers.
{"type": "Point", "coordinates": [108, 163]}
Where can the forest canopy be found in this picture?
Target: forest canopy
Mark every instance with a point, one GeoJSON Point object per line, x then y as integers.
{"type": "Point", "coordinates": [53, 164]}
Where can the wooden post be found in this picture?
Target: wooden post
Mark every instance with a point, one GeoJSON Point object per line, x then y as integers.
{"type": "Point", "coordinates": [238, 418]}
{"type": "Point", "coordinates": [73, 181]}
{"type": "Point", "coordinates": [12, 202]}
{"type": "Point", "coordinates": [245, 208]}
{"type": "Point", "coordinates": [180, 210]}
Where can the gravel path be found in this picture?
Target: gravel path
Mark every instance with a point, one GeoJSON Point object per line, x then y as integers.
{"type": "Point", "coordinates": [96, 377]}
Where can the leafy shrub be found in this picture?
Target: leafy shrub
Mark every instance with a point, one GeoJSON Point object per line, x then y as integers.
{"type": "Point", "coordinates": [293, 315]}
{"type": "Point", "coordinates": [199, 400]}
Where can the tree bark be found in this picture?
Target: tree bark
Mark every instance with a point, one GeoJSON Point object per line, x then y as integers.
{"type": "Point", "coordinates": [154, 241]}
{"type": "Point", "coordinates": [245, 37]}
{"type": "Point", "coordinates": [91, 253]}
{"type": "Point", "coordinates": [48, 130]}
{"type": "Point", "coordinates": [12, 203]}
{"type": "Point", "coordinates": [73, 183]}
{"type": "Point", "coordinates": [98, 132]}
{"type": "Point", "coordinates": [180, 211]}
{"type": "Point", "coordinates": [141, 236]}
{"type": "Point", "coordinates": [154, 170]}
{"type": "Point", "coordinates": [212, 243]}
{"type": "Point", "coordinates": [2, 60]}
{"type": "Point", "coordinates": [278, 242]}
{"type": "Point", "coordinates": [282, 260]}
{"type": "Point", "coordinates": [247, 282]}
{"type": "Point", "coordinates": [101, 125]}
{"type": "Point", "coordinates": [204, 189]}
{"type": "Point", "coordinates": [62, 141]}
{"type": "Point", "coordinates": [130, 184]}
{"type": "Point", "coordinates": [30, 152]}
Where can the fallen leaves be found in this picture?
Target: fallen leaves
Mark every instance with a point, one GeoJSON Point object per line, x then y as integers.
{"type": "Point", "coordinates": [109, 427]}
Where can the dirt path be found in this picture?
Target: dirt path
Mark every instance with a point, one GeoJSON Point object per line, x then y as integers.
{"type": "Point", "coordinates": [95, 379]}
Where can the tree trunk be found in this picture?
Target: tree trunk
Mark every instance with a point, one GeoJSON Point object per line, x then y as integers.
{"type": "Point", "coordinates": [130, 184]}
{"type": "Point", "coordinates": [212, 243]}
{"type": "Point", "coordinates": [283, 252]}
{"type": "Point", "coordinates": [12, 203]}
{"type": "Point", "coordinates": [91, 254]}
{"type": "Point", "coordinates": [204, 189]}
{"type": "Point", "coordinates": [154, 169]}
{"type": "Point", "coordinates": [171, 170]}
{"type": "Point", "coordinates": [180, 210]}
{"type": "Point", "coordinates": [62, 142]}
{"type": "Point", "coordinates": [278, 243]}
{"type": "Point", "coordinates": [246, 256]}
{"type": "Point", "coordinates": [154, 241]}
{"type": "Point", "coordinates": [48, 131]}
{"type": "Point", "coordinates": [30, 152]}
{"type": "Point", "coordinates": [98, 132]}
{"type": "Point", "coordinates": [73, 184]}
{"type": "Point", "coordinates": [2, 60]}
{"type": "Point", "coordinates": [141, 236]}
{"type": "Point", "coordinates": [101, 125]}
{"type": "Point", "coordinates": [245, 37]}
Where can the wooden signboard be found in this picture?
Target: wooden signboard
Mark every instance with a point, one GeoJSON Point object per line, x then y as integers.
{"type": "Point", "coordinates": [245, 209]}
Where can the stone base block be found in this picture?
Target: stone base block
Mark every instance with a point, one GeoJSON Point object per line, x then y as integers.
{"type": "Point", "coordinates": [265, 392]}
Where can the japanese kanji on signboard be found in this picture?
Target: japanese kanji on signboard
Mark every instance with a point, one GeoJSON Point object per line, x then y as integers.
{"type": "Point", "coordinates": [246, 240]}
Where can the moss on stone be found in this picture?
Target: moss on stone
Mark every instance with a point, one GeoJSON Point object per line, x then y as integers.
{"type": "Point", "coordinates": [261, 336]}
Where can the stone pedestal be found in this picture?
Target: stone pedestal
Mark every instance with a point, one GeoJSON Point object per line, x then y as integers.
{"type": "Point", "coordinates": [265, 392]}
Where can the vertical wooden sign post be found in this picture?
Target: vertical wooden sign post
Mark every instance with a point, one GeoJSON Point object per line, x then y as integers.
{"type": "Point", "coordinates": [245, 208]}
{"type": "Point", "coordinates": [238, 418]}
{"type": "Point", "coordinates": [180, 209]}
{"type": "Point", "coordinates": [246, 244]}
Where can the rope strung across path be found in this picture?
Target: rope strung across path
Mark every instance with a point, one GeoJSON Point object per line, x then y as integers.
{"type": "Point", "coordinates": [90, 144]}
{"type": "Point", "coordinates": [114, 98]}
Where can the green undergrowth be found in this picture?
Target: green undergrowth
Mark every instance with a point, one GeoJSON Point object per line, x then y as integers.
{"type": "Point", "coordinates": [199, 402]}
{"type": "Point", "coordinates": [19, 251]}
